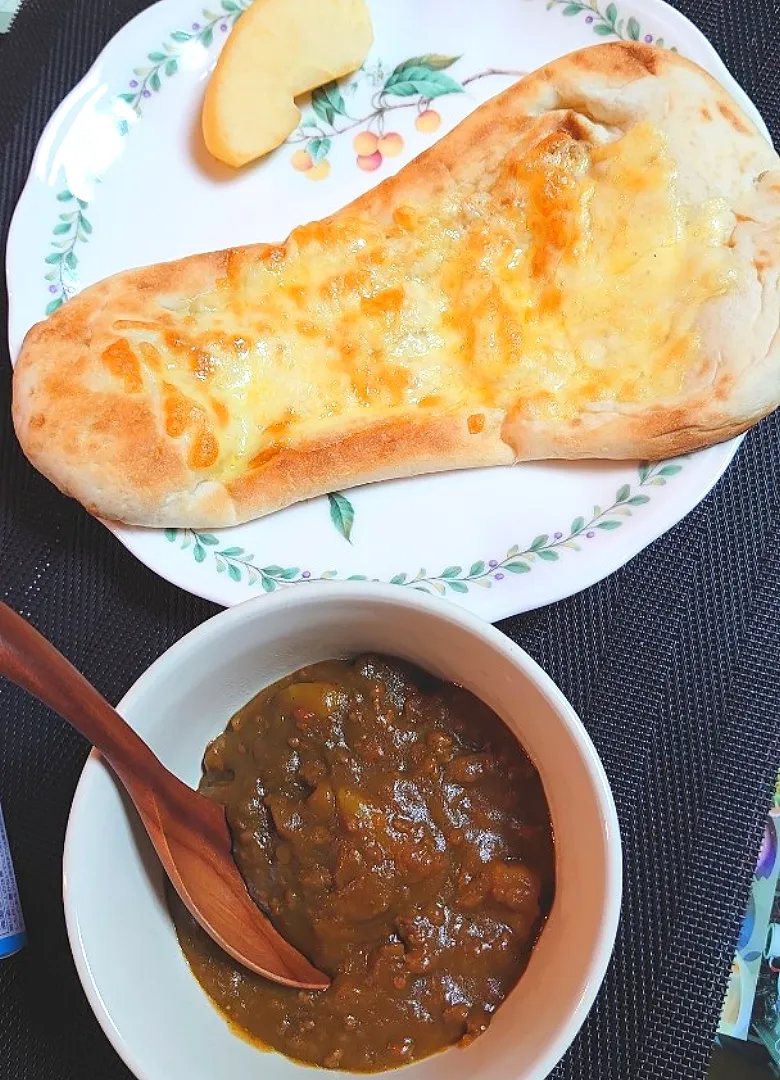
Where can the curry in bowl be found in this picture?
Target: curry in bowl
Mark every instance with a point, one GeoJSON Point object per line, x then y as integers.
{"type": "Point", "coordinates": [398, 835]}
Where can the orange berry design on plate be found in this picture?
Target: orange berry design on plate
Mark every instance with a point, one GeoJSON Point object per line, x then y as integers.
{"type": "Point", "coordinates": [320, 171]}
{"type": "Point", "coordinates": [301, 161]}
{"type": "Point", "coordinates": [369, 162]}
{"type": "Point", "coordinates": [365, 144]}
{"type": "Point", "coordinates": [390, 145]}
{"type": "Point", "coordinates": [428, 121]}
{"type": "Point", "coordinates": [343, 114]}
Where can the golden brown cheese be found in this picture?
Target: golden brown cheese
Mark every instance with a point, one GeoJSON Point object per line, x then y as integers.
{"type": "Point", "coordinates": [578, 253]}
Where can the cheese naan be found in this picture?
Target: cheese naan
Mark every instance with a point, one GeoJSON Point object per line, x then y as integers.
{"type": "Point", "coordinates": [587, 266]}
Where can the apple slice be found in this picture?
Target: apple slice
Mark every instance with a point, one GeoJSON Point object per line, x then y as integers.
{"type": "Point", "coordinates": [277, 50]}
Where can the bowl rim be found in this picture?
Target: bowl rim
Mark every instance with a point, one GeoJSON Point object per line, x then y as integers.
{"type": "Point", "coordinates": [447, 612]}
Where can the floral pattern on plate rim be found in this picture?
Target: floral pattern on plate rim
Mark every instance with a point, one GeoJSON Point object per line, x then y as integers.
{"type": "Point", "coordinates": [607, 23]}
{"type": "Point", "coordinates": [148, 79]}
{"type": "Point", "coordinates": [421, 78]}
{"type": "Point", "coordinates": [240, 566]}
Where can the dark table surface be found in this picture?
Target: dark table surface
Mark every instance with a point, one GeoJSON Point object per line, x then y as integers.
{"type": "Point", "coordinates": [673, 663]}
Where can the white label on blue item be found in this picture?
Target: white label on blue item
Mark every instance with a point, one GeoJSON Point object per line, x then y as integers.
{"type": "Point", "coordinates": [12, 936]}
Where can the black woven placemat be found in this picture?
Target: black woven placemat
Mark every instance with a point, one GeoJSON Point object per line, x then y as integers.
{"type": "Point", "coordinates": [673, 664]}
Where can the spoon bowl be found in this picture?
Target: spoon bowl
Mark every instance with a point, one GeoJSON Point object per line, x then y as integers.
{"type": "Point", "coordinates": [189, 832]}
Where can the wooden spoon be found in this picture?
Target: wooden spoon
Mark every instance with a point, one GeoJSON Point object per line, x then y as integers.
{"type": "Point", "coordinates": [189, 831]}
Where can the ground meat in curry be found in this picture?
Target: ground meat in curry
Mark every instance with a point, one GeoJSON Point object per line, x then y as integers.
{"type": "Point", "coordinates": [398, 835]}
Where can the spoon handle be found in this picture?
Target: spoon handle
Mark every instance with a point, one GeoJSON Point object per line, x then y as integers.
{"type": "Point", "coordinates": [32, 662]}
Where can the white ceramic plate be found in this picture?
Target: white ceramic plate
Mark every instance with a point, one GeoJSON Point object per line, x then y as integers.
{"type": "Point", "coordinates": [121, 178]}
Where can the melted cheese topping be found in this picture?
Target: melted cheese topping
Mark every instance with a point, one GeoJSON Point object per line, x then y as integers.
{"type": "Point", "coordinates": [572, 283]}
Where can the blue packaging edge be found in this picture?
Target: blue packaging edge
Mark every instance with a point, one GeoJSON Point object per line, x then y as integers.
{"type": "Point", "coordinates": [12, 944]}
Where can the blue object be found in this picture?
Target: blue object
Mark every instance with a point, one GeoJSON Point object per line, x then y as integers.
{"type": "Point", "coordinates": [12, 944]}
{"type": "Point", "coordinates": [12, 934]}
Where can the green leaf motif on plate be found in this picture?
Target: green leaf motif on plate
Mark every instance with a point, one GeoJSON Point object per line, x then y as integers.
{"type": "Point", "coordinates": [422, 81]}
{"type": "Point", "coordinates": [458, 586]}
{"type": "Point", "coordinates": [319, 149]}
{"type": "Point", "coordinates": [430, 61]}
{"type": "Point", "coordinates": [72, 228]}
{"type": "Point", "coordinates": [328, 102]}
{"type": "Point", "coordinates": [164, 64]}
{"type": "Point", "coordinates": [546, 548]}
{"type": "Point", "coordinates": [342, 514]}
{"type": "Point", "coordinates": [605, 22]}
{"type": "Point", "coordinates": [415, 82]}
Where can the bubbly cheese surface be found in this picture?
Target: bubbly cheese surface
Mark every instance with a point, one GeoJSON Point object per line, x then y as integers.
{"type": "Point", "coordinates": [573, 282]}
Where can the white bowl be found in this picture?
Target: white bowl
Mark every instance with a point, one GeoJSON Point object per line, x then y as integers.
{"type": "Point", "coordinates": [126, 952]}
